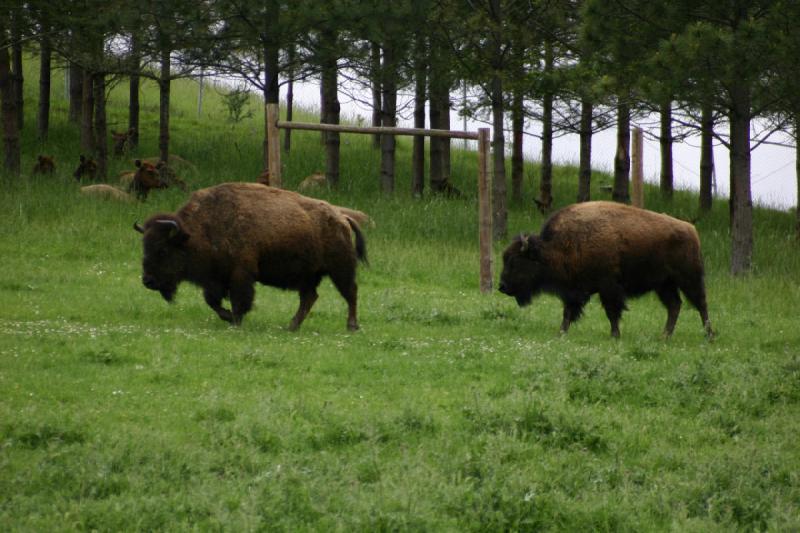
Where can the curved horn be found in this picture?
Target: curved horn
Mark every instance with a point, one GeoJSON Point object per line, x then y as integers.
{"type": "Point", "coordinates": [168, 222]}
{"type": "Point", "coordinates": [524, 239]}
{"type": "Point", "coordinates": [137, 227]}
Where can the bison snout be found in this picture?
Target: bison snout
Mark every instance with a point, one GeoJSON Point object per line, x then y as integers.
{"type": "Point", "coordinates": [149, 282]}
{"type": "Point", "coordinates": [502, 288]}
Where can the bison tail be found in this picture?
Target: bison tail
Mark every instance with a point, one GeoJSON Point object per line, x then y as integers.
{"type": "Point", "coordinates": [361, 243]}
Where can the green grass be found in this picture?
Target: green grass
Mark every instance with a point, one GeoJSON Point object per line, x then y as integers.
{"type": "Point", "coordinates": [449, 410]}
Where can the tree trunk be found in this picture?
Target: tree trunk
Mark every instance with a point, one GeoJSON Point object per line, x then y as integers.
{"type": "Point", "coordinates": [546, 183]}
{"type": "Point", "coordinates": [164, 83]}
{"type": "Point", "coordinates": [87, 114]}
{"type": "Point", "coordinates": [499, 203]}
{"type": "Point", "coordinates": [418, 148]}
{"type": "Point", "coordinates": [667, 186]}
{"type": "Point", "coordinates": [75, 93]}
{"type": "Point", "coordinates": [517, 154]}
{"type": "Point", "coordinates": [100, 128]}
{"type": "Point", "coordinates": [377, 90]}
{"type": "Point", "coordinates": [43, 117]}
{"type": "Point", "coordinates": [388, 118]}
{"type": "Point", "coordinates": [585, 164]}
{"type": "Point", "coordinates": [133, 95]}
{"type": "Point", "coordinates": [622, 160]}
{"type": "Point", "coordinates": [797, 172]}
{"type": "Point", "coordinates": [271, 90]}
{"type": "Point", "coordinates": [16, 65]}
{"type": "Point", "coordinates": [11, 144]}
{"type": "Point", "coordinates": [287, 133]}
{"type": "Point", "coordinates": [436, 172]}
{"type": "Point", "coordinates": [742, 219]}
{"type": "Point", "coordinates": [330, 93]}
{"type": "Point", "coordinates": [706, 157]}
{"type": "Point", "coordinates": [444, 114]}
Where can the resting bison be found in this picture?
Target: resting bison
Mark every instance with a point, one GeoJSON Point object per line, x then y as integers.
{"type": "Point", "coordinates": [87, 168]}
{"type": "Point", "coordinates": [611, 249]}
{"type": "Point", "coordinates": [122, 140]}
{"type": "Point", "coordinates": [45, 164]}
{"type": "Point", "coordinates": [229, 236]}
{"type": "Point", "coordinates": [146, 177]}
{"type": "Point", "coordinates": [106, 192]}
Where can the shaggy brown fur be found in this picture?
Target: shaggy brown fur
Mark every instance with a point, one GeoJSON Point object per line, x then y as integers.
{"type": "Point", "coordinates": [45, 164]}
{"type": "Point", "coordinates": [230, 236]}
{"type": "Point", "coordinates": [106, 192]}
{"type": "Point", "coordinates": [615, 250]}
{"type": "Point", "coordinates": [87, 168]}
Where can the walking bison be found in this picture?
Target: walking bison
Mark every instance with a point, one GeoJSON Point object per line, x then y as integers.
{"type": "Point", "coordinates": [615, 250]}
{"type": "Point", "coordinates": [227, 237]}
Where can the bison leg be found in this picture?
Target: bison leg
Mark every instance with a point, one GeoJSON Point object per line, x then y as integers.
{"type": "Point", "coordinates": [242, 294]}
{"type": "Point", "coordinates": [669, 296]}
{"type": "Point", "coordinates": [346, 284]}
{"type": "Point", "coordinates": [307, 299]}
{"type": "Point", "coordinates": [613, 302]}
{"type": "Point", "coordinates": [573, 309]}
{"type": "Point", "coordinates": [213, 296]}
{"type": "Point", "coordinates": [696, 294]}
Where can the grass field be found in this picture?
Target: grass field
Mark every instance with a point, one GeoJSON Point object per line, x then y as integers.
{"type": "Point", "coordinates": [449, 410]}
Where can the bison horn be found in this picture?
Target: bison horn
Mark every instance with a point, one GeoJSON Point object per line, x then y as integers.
{"type": "Point", "coordinates": [137, 227]}
{"type": "Point", "coordinates": [169, 223]}
{"type": "Point", "coordinates": [524, 239]}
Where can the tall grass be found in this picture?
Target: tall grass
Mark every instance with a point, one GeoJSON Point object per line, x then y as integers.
{"type": "Point", "coordinates": [450, 410]}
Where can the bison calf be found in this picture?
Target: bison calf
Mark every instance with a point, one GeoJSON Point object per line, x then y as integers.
{"type": "Point", "coordinates": [611, 249]}
{"type": "Point", "coordinates": [227, 237]}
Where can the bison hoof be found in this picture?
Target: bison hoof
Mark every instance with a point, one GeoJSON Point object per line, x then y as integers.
{"type": "Point", "coordinates": [353, 327]}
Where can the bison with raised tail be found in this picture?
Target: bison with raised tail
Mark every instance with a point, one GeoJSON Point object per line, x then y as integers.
{"type": "Point", "coordinates": [615, 250]}
{"type": "Point", "coordinates": [230, 236]}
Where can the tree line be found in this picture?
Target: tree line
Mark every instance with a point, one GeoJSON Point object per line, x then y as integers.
{"type": "Point", "coordinates": [578, 66]}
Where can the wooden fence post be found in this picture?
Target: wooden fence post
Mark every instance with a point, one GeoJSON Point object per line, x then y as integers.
{"type": "Point", "coordinates": [273, 146]}
{"type": "Point", "coordinates": [637, 168]}
{"type": "Point", "coordinates": [484, 211]}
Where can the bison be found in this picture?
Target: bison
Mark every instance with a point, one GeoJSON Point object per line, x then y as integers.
{"type": "Point", "coordinates": [45, 164]}
{"type": "Point", "coordinates": [615, 250]}
{"type": "Point", "coordinates": [122, 140]}
{"type": "Point", "coordinates": [87, 168]}
{"type": "Point", "coordinates": [146, 177]}
{"type": "Point", "coordinates": [106, 192]}
{"type": "Point", "coordinates": [227, 237]}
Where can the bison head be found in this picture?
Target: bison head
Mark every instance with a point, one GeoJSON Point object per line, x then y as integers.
{"type": "Point", "coordinates": [164, 263]}
{"type": "Point", "coordinates": [87, 167]}
{"type": "Point", "coordinates": [522, 269]}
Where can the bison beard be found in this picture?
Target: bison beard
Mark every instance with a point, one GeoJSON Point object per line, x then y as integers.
{"type": "Point", "coordinates": [230, 236]}
{"type": "Point", "coordinates": [614, 250]}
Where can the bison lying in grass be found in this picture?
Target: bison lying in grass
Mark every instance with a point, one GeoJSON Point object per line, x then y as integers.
{"type": "Point", "coordinates": [611, 249]}
{"type": "Point", "coordinates": [227, 237]}
{"type": "Point", "coordinates": [45, 164]}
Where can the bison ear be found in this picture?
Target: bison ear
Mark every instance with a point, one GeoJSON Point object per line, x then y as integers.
{"type": "Point", "coordinates": [137, 163]}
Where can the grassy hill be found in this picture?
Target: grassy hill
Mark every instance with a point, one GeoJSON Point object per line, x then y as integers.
{"type": "Point", "coordinates": [449, 410]}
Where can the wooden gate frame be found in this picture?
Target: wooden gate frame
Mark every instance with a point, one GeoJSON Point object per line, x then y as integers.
{"type": "Point", "coordinates": [484, 177]}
